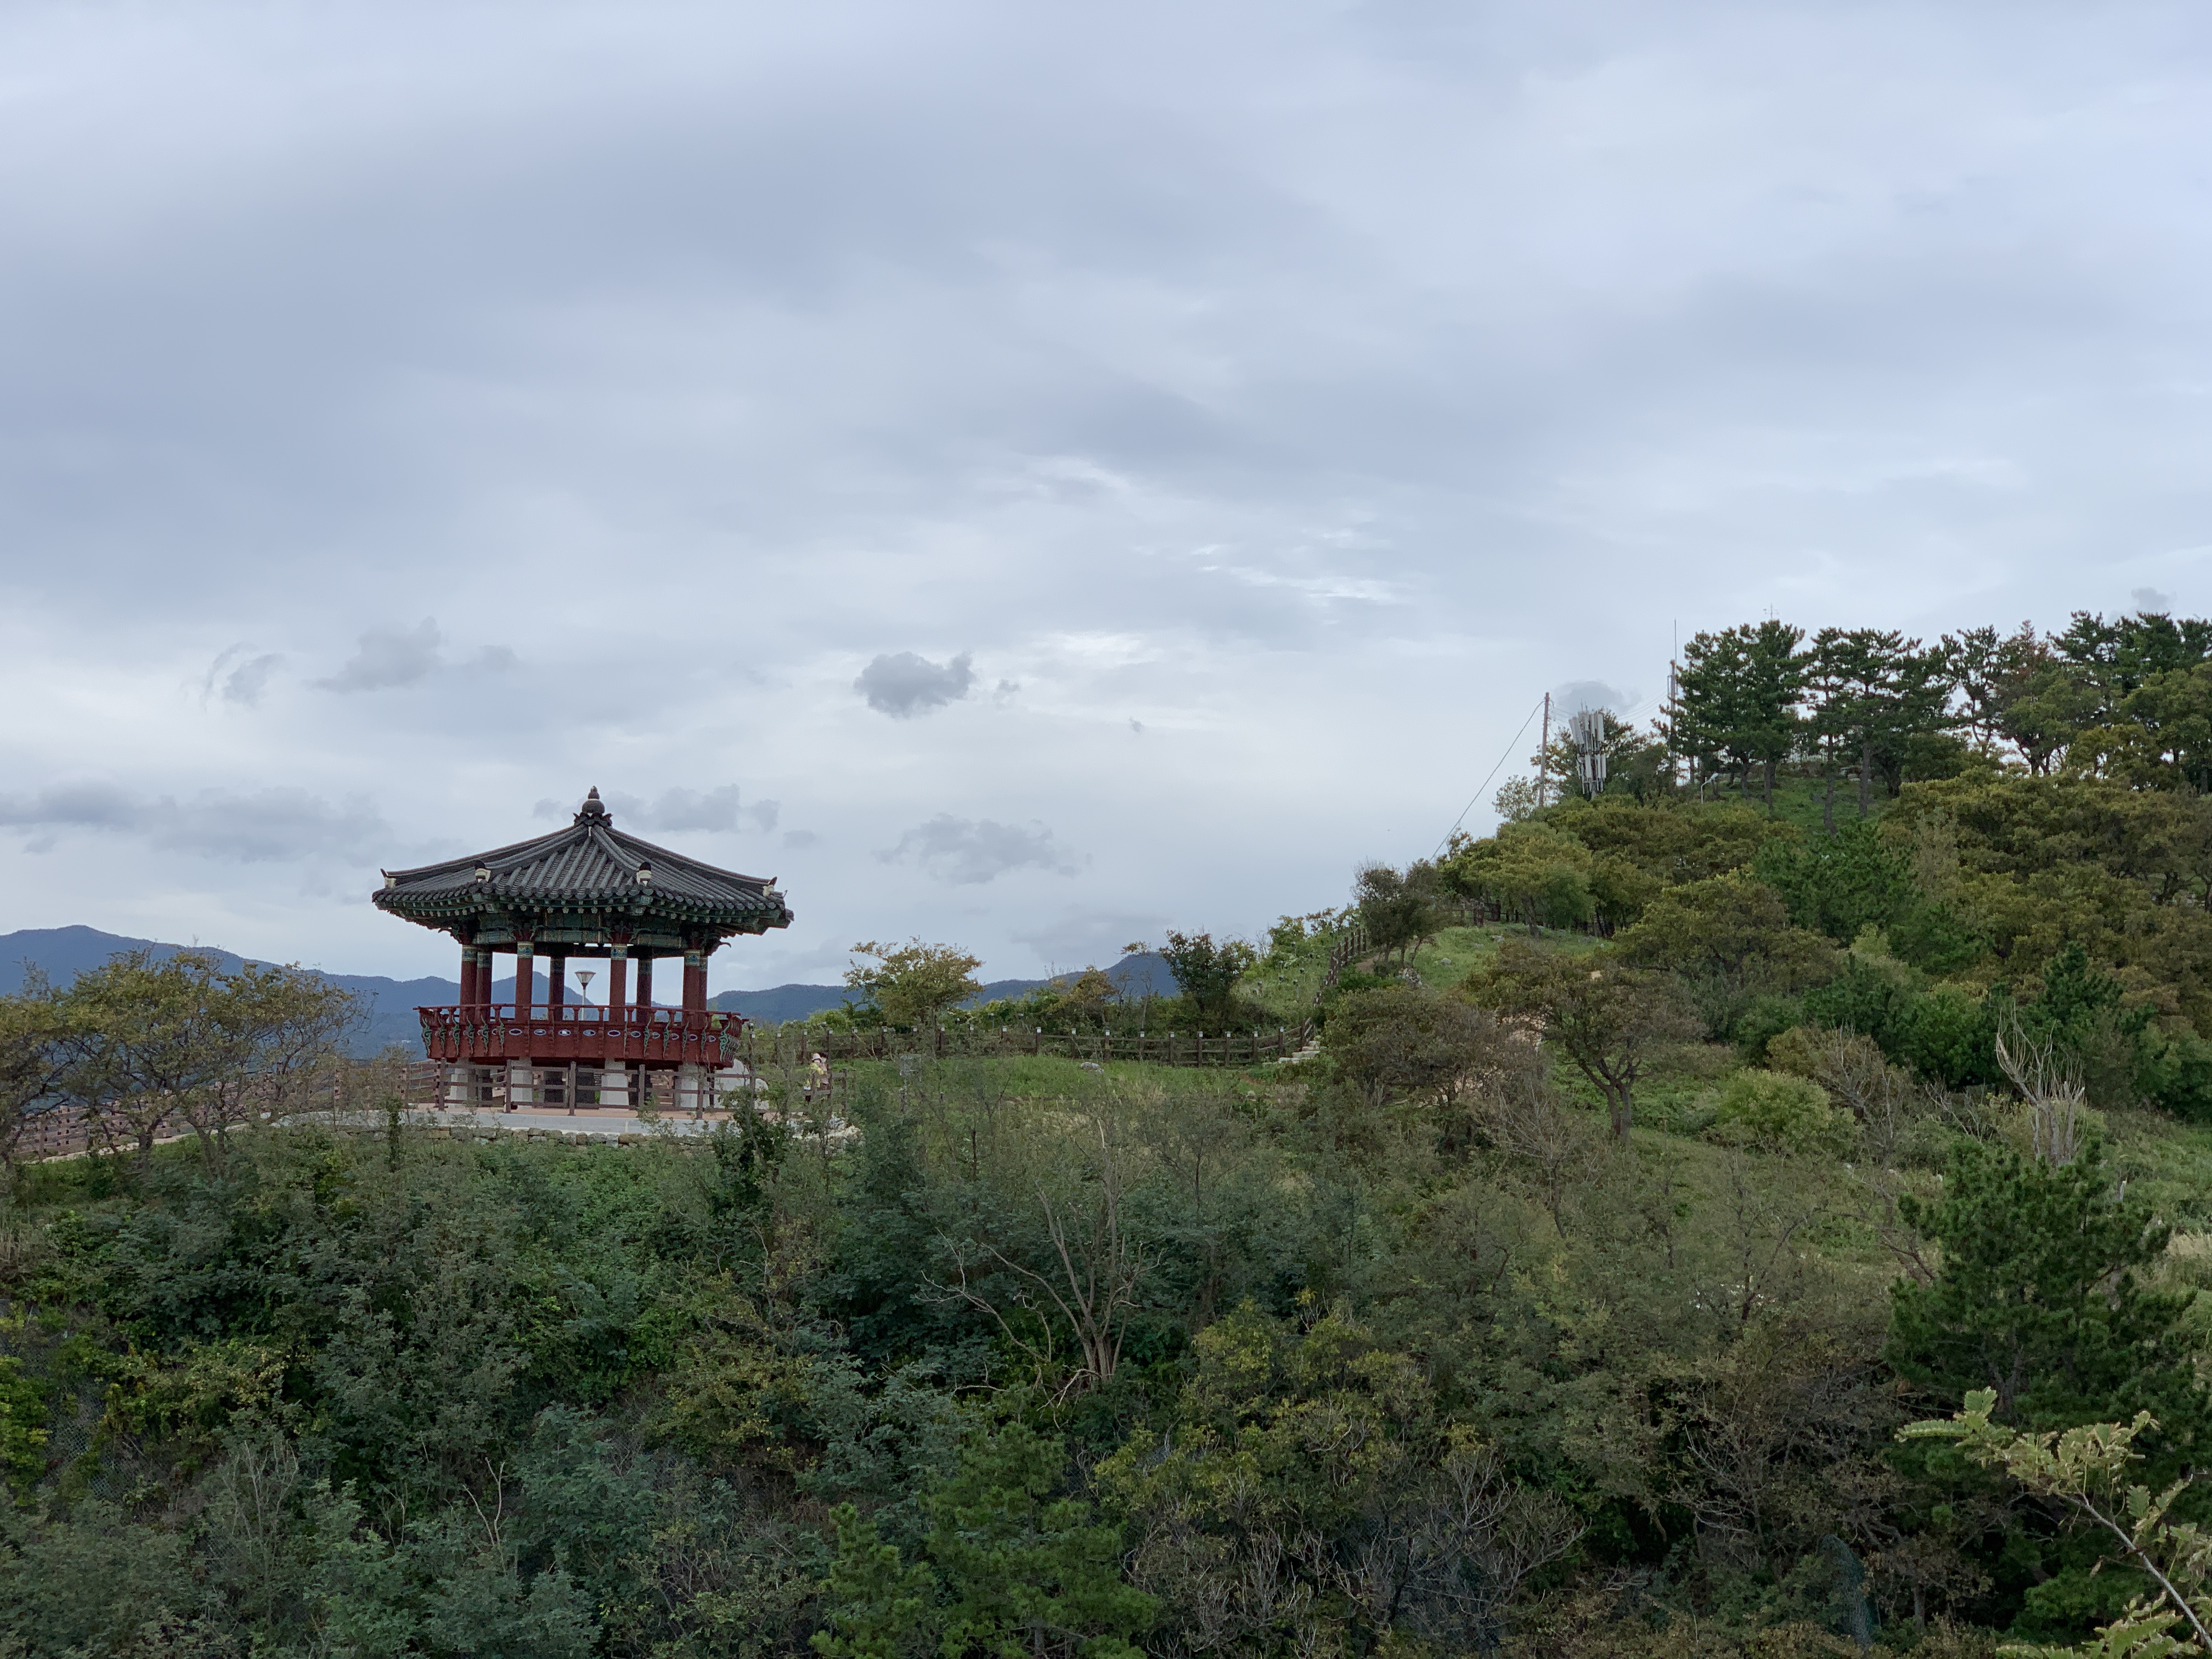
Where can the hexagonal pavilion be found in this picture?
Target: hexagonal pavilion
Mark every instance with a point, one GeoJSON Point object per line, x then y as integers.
{"type": "Point", "coordinates": [588, 891]}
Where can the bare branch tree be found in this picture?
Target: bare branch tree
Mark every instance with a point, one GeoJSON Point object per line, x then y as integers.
{"type": "Point", "coordinates": [2054, 1096]}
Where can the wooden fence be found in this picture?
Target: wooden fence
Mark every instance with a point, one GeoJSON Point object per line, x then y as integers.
{"type": "Point", "coordinates": [762, 1049]}
{"type": "Point", "coordinates": [1353, 941]}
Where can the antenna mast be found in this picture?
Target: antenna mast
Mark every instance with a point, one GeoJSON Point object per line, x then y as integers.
{"type": "Point", "coordinates": [1587, 727]}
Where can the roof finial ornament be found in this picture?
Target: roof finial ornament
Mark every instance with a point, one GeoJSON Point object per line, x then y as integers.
{"type": "Point", "coordinates": [594, 810]}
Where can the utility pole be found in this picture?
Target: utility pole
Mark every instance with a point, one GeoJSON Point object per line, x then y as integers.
{"type": "Point", "coordinates": [1544, 751]}
{"type": "Point", "coordinates": [1673, 695]}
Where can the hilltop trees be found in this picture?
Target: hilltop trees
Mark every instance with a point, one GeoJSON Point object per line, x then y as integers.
{"type": "Point", "coordinates": [2128, 698]}
{"type": "Point", "coordinates": [1736, 702]}
{"type": "Point", "coordinates": [1868, 701]}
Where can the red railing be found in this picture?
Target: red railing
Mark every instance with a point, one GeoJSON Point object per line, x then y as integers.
{"type": "Point", "coordinates": [552, 1032]}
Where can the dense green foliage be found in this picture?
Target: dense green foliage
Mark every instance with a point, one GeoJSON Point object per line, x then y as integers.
{"type": "Point", "coordinates": [1565, 1300]}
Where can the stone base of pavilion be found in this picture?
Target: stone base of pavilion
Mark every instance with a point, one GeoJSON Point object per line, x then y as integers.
{"type": "Point", "coordinates": [571, 1088]}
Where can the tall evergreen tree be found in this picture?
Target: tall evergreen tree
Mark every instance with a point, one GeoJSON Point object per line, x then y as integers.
{"type": "Point", "coordinates": [1735, 702]}
{"type": "Point", "coordinates": [2038, 1297]}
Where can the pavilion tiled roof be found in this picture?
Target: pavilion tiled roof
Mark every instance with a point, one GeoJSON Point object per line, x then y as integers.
{"type": "Point", "coordinates": [590, 867]}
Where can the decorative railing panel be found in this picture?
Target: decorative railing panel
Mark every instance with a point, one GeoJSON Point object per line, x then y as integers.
{"type": "Point", "coordinates": [558, 1031]}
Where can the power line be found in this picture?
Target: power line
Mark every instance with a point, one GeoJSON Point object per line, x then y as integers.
{"type": "Point", "coordinates": [1493, 773]}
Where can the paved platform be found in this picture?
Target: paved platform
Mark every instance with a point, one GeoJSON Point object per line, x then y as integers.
{"type": "Point", "coordinates": [594, 1122]}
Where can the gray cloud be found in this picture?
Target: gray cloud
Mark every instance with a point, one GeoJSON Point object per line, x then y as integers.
{"type": "Point", "coordinates": [799, 838]}
{"type": "Point", "coordinates": [240, 676]}
{"type": "Point", "coordinates": [245, 683]}
{"type": "Point", "coordinates": [903, 686]}
{"type": "Point", "coordinates": [1078, 938]}
{"type": "Point", "coordinates": [2152, 603]}
{"type": "Point", "coordinates": [720, 810]}
{"type": "Point", "coordinates": [1578, 695]}
{"type": "Point", "coordinates": [679, 810]}
{"type": "Point", "coordinates": [261, 826]}
{"type": "Point", "coordinates": [969, 852]}
{"type": "Point", "coordinates": [1273, 380]}
{"type": "Point", "coordinates": [387, 658]}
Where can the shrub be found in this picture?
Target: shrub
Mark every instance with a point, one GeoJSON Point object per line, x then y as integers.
{"type": "Point", "coordinates": [1778, 1112]}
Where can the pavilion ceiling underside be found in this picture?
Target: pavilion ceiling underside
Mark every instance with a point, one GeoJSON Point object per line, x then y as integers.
{"type": "Point", "coordinates": [585, 941]}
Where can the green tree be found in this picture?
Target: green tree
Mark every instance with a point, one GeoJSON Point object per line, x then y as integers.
{"type": "Point", "coordinates": [1207, 972]}
{"type": "Point", "coordinates": [1408, 1040]}
{"type": "Point", "coordinates": [1308, 1494]}
{"type": "Point", "coordinates": [1841, 883]}
{"type": "Point", "coordinates": [2039, 1298]}
{"type": "Point", "coordinates": [1397, 908]}
{"type": "Point", "coordinates": [914, 984]}
{"type": "Point", "coordinates": [35, 1055]}
{"type": "Point", "coordinates": [1736, 699]}
{"type": "Point", "coordinates": [2110, 660]}
{"type": "Point", "coordinates": [1729, 938]}
{"type": "Point", "coordinates": [1613, 1021]}
{"type": "Point", "coordinates": [1974, 662]}
{"type": "Point", "coordinates": [157, 1042]}
{"type": "Point", "coordinates": [1008, 1570]}
{"type": "Point", "coordinates": [2158, 737]}
{"type": "Point", "coordinates": [1515, 800]}
{"type": "Point", "coordinates": [2089, 1469]}
{"type": "Point", "coordinates": [1535, 873]}
{"type": "Point", "coordinates": [1862, 672]}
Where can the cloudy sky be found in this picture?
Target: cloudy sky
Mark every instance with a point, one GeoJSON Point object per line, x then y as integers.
{"type": "Point", "coordinates": [1028, 475]}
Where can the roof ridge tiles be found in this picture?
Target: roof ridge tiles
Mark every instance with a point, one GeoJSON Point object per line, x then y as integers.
{"type": "Point", "coordinates": [586, 864]}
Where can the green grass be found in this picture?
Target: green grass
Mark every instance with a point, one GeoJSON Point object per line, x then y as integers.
{"type": "Point", "coordinates": [1798, 800]}
{"type": "Point", "coordinates": [1037, 1076]}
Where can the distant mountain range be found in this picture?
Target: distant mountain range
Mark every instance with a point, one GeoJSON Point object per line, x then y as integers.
{"type": "Point", "coordinates": [62, 954]}
{"type": "Point", "coordinates": [1143, 975]}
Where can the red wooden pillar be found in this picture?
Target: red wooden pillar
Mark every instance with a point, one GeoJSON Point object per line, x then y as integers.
{"type": "Point", "coordinates": [645, 983]}
{"type": "Point", "coordinates": [618, 977]}
{"type": "Point", "coordinates": [556, 978]}
{"type": "Point", "coordinates": [468, 976]}
{"type": "Point", "coordinates": [526, 977]}
{"type": "Point", "coordinates": [694, 981]}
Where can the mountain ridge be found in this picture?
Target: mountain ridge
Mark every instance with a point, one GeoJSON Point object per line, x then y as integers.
{"type": "Point", "coordinates": [62, 954]}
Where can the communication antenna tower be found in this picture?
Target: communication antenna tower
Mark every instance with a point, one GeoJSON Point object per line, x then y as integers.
{"type": "Point", "coordinates": [1587, 727]}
